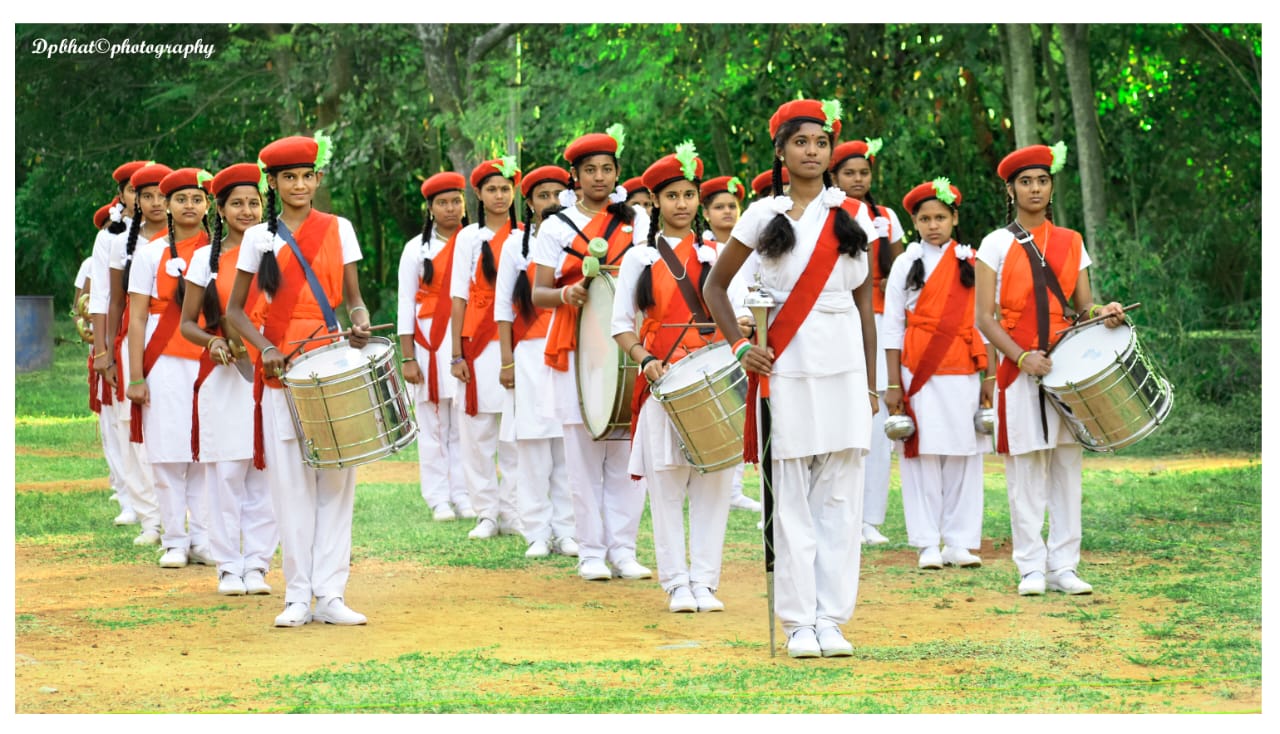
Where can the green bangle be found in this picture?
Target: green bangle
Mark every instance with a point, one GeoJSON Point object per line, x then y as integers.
{"type": "Point", "coordinates": [408, 359]}
{"type": "Point", "coordinates": [1022, 357]}
{"type": "Point", "coordinates": [137, 382]}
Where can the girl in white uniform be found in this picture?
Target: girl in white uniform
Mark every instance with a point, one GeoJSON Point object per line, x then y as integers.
{"type": "Point", "coordinates": [649, 290]}
{"type": "Point", "coordinates": [542, 486]}
{"type": "Point", "coordinates": [312, 506]}
{"type": "Point", "coordinates": [930, 337]}
{"type": "Point", "coordinates": [476, 352]}
{"type": "Point", "coordinates": [851, 170]}
{"type": "Point", "coordinates": [242, 527]}
{"type": "Point", "coordinates": [1042, 459]}
{"type": "Point", "coordinates": [163, 367]}
{"type": "Point", "coordinates": [811, 251]}
{"type": "Point", "coordinates": [607, 503]}
{"type": "Point", "coordinates": [422, 323]}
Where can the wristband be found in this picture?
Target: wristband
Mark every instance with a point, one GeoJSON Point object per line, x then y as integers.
{"type": "Point", "coordinates": [104, 353]}
{"type": "Point", "coordinates": [509, 366]}
{"type": "Point", "coordinates": [269, 348]}
{"type": "Point", "coordinates": [1022, 357]}
{"type": "Point", "coordinates": [137, 382]}
{"type": "Point", "coordinates": [989, 379]}
{"type": "Point", "coordinates": [562, 292]}
{"type": "Point", "coordinates": [740, 348]}
{"type": "Point", "coordinates": [645, 362]}
{"type": "Point", "coordinates": [456, 360]}
{"type": "Point", "coordinates": [1094, 309]}
{"type": "Point", "coordinates": [893, 387]}
{"type": "Point", "coordinates": [357, 308]}
{"type": "Point", "coordinates": [408, 359]}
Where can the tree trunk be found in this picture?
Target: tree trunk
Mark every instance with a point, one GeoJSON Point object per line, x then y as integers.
{"type": "Point", "coordinates": [1075, 43]}
{"type": "Point", "coordinates": [1021, 73]}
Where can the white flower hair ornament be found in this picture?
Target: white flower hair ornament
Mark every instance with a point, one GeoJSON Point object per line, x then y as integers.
{"type": "Point", "coordinates": [619, 195]}
{"type": "Point", "coordinates": [707, 254]}
{"type": "Point", "coordinates": [833, 197]}
{"type": "Point", "coordinates": [1059, 150]}
{"type": "Point", "coordinates": [687, 154]}
{"type": "Point", "coordinates": [117, 212]}
{"type": "Point", "coordinates": [567, 198]}
{"type": "Point", "coordinates": [269, 246]}
{"type": "Point", "coordinates": [914, 251]}
{"type": "Point", "coordinates": [781, 204]}
{"type": "Point", "coordinates": [963, 252]}
{"type": "Point", "coordinates": [618, 133]}
{"type": "Point", "coordinates": [175, 267]}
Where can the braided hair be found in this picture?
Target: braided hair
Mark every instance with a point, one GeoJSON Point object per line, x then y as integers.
{"type": "Point", "coordinates": [132, 242]}
{"type": "Point", "coordinates": [522, 294]}
{"type": "Point", "coordinates": [118, 227]}
{"type": "Point", "coordinates": [269, 268]}
{"type": "Point", "coordinates": [211, 307]}
{"type": "Point", "coordinates": [778, 238]}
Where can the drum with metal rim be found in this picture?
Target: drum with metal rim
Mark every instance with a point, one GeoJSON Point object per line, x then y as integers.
{"type": "Point", "coordinates": [1105, 388]}
{"type": "Point", "coordinates": [349, 406]}
{"type": "Point", "coordinates": [705, 396]}
{"type": "Point", "coordinates": [606, 374]}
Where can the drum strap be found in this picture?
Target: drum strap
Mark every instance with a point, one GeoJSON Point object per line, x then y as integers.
{"type": "Point", "coordinates": [687, 289]}
{"type": "Point", "coordinates": [614, 221]}
{"type": "Point", "coordinates": [326, 308]}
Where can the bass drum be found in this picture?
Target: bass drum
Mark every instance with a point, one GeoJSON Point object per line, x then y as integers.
{"type": "Point", "coordinates": [1104, 387]}
{"type": "Point", "coordinates": [606, 375]}
{"type": "Point", "coordinates": [349, 406]}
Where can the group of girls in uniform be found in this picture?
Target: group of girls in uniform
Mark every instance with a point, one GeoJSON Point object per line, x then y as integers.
{"type": "Point", "coordinates": [187, 366]}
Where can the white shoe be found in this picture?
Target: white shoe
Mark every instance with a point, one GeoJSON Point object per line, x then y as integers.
{"type": "Point", "coordinates": [486, 528]}
{"type": "Point", "coordinates": [538, 549]}
{"type": "Point", "coordinates": [256, 583]}
{"type": "Point", "coordinates": [959, 557]}
{"type": "Point", "coordinates": [115, 497]}
{"type": "Point", "coordinates": [803, 643]}
{"type": "Point", "coordinates": [466, 512]}
{"type": "Point", "coordinates": [707, 601]}
{"type": "Point", "coordinates": [565, 547]}
{"type": "Point", "coordinates": [743, 502]}
{"type": "Point", "coordinates": [148, 537]}
{"type": "Point", "coordinates": [833, 643]}
{"type": "Point", "coordinates": [295, 614]}
{"type": "Point", "coordinates": [682, 600]}
{"type": "Point", "coordinates": [930, 558]}
{"type": "Point", "coordinates": [173, 558]}
{"type": "Point", "coordinates": [443, 513]}
{"type": "Point", "coordinates": [202, 555]}
{"type": "Point", "coordinates": [1067, 582]}
{"type": "Point", "coordinates": [871, 535]}
{"type": "Point", "coordinates": [594, 569]}
{"type": "Point", "coordinates": [630, 569]}
{"type": "Point", "coordinates": [332, 610]}
{"type": "Point", "coordinates": [230, 584]}
{"type": "Point", "coordinates": [126, 517]}
{"type": "Point", "coordinates": [1032, 584]}
{"type": "Point", "coordinates": [508, 526]}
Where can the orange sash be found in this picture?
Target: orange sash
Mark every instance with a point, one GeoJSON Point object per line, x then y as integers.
{"type": "Point", "coordinates": [123, 331]}
{"type": "Point", "coordinates": [562, 336]}
{"type": "Point", "coordinates": [478, 326]}
{"type": "Point", "coordinates": [226, 264]}
{"type": "Point", "coordinates": [524, 328]}
{"type": "Point", "coordinates": [434, 301]}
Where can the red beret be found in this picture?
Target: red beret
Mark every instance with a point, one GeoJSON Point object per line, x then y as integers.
{"type": "Point", "coordinates": [186, 178]}
{"type": "Point", "coordinates": [149, 175]}
{"type": "Point", "coordinates": [809, 110]}
{"type": "Point", "coordinates": [239, 174]}
{"type": "Point", "coordinates": [667, 170]}
{"type": "Point", "coordinates": [494, 168]}
{"type": "Point", "coordinates": [925, 191]}
{"type": "Point", "coordinates": [122, 173]}
{"type": "Point", "coordinates": [1034, 156]}
{"type": "Point", "coordinates": [591, 144]}
{"type": "Point", "coordinates": [762, 183]}
{"type": "Point", "coordinates": [442, 182]}
{"type": "Point", "coordinates": [295, 151]}
{"type": "Point", "coordinates": [544, 174]}
{"type": "Point", "coordinates": [851, 149]}
{"type": "Point", "coordinates": [723, 184]}
{"type": "Point", "coordinates": [632, 185]}
{"type": "Point", "coordinates": [104, 212]}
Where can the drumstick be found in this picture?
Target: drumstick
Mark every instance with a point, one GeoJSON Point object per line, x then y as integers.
{"type": "Point", "coordinates": [340, 334]}
{"type": "Point", "coordinates": [1096, 319]}
{"type": "Point", "coordinates": [695, 324]}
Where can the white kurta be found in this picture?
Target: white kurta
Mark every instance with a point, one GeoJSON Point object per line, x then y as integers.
{"type": "Point", "coordinates": [530, 370]}
{"type": "Point", "coordinates": [490, 395]}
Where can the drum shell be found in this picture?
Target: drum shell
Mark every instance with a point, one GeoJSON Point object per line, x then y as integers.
{"type": "Point", "coordinates": [606, 375]}
{"type": "Point", "coordinates": [1120, 403]}
{"type": "Point", "coordinates": [709, 413]}
{"type": "Point", "coordinates": [351, 416]}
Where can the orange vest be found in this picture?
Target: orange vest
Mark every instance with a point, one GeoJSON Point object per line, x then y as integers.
{"type": "Point", "coordinates": [1062, 249]}
{"type": "Point", "coordinates": [562, 336]}
{"type": "Point", "coordinates": [478, 318]}
{"type": "Point", "coordinates": [429, 292]}
{"type": "Point", "coordinates": [966, 353]}
{"type": "Point", "coordinates": [170, 310]}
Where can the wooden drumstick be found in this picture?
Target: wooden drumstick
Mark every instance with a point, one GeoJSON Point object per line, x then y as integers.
{"type": "Point", "coordinates": [340, 334]}
{"type": "Point", "coordinates": [1096, 319]}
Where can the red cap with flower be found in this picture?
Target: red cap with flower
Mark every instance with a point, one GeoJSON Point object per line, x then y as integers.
{"type": "Point", "coordinates": [720, 185]}
{"type": "Point", "coordinates": [824, 112]}
{"type": "Point", "coordinates": [238, 174]}
{"type": "Point", "coordinates": [296, 151]}
{"type": "Point", "coordinates": [442, 182]}
{"type": "Point", "coordinates": [684, 164]}
{"type": "Point", "coordinates": [123, 172]}
{"type": "Point", "coordinates": [544, 174]}
{"type": "Point", "coordinates": [634, 185]}
{"type": "Point", "coordinates": [592, 144]}
{"type": "Point", "coordinates": [1033, 156]}
{"type": "Point", "coordinates": [186, 178]}
{"type": "Point", "coordinates": [761, 184]}
{"type": "Point", "coordinates": [101, 216]}
{"type": "Point", "coordinates": [940, 188]}
{"type": "Point", "coordinates": [149, 175]}
{"type": "Point", "coordinates": [855, 149]}
{"type": "Point", "coordinates": [504, 166]}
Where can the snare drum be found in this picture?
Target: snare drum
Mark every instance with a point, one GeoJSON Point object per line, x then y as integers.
{"type": "Point", "coordinates": [1105, 388]}
{"type": "Point", "coordinates": [606, 374]}
{"type": "Point", "coordinates": [705, 396]}
{"type": "Point", "coordinates": [348, 405]}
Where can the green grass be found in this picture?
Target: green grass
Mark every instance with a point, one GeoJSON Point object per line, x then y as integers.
{"type": "Point", "coordinates": [133, 615]}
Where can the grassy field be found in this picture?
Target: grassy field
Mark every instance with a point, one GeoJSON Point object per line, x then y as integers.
{"type": "Point", "coordinates": [1175, 627]}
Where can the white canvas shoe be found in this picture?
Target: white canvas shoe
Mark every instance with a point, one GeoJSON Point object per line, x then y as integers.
{"type": "Point", "coordinates": [803, 643]}
{"type": "Point", "coordinates": [126, 517]}
{"type": "Point", "coordinates": [833, 643]}
{"type": "Point", "coordinates": [631, 569]}
{"type": "Point", "coordinates": [295, 614]}
{"type": "Point", "coordinates": [930, 558]}
{"type": "Point", "coordinates": [466, 512]}
{"type": "Point", "coordinates": [230, 584]}
{"type": "Point", "coordinates": [1067, 582]}
{"type": "Point", "coordinates": [538, 549]}
{"type": "Point", "coordinates": [960, 557]}
{"type": "Point", "coordinates": [565, 547]}
{"type": "Point", "coordinates": [707, 601]}
{"type": "Point", "coordinates": [173, 558]}
{"type": "Point", "coordinates": [332, 610]}
{"type": "Point", "coordinates": [147, 537]}
{"type": "Point", "coordinates": [201, 554]}
{"type": "Point", "coordinates": [443, 513]}
{"type": "Point", "coordinates": [1032, 584]}
{"type": "Point", "coordinates": [486, 528]}
{"type": "Point", "coordinates": [255, 582]}
{"type": "Point", "coordinates": [682, 600]}
{"type": "Point", "coordinates": [743, 502]}
{"type": "Point", "coordinates": [871, 535]}
{"type": "Point", "coordinates": [594, 569]}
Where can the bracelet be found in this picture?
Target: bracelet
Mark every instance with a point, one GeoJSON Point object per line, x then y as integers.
{"type": "Point", "coordinates": [752, 335]}
{"type": "Point", "coordinates": [408, 359]}
{"type": "Point", "coordinates": [633, 346]}
{"type": "Point", "coordinates": [989, 379]}
{"type": "Point", "coordinates": [893, 387]}
{"type": "Point", "coordinates": [562, 297]}
{"type": "Point", "coordinates": [137, 382]}
{"type": "Point", "coordinates": [269, 348]}
{"type": "Point", "coordinates": [1094, 309]}
{"type": "Point", "coordinates": [104, 353]}
{"type": "Point", "coordinates": [1022, 357]}
{"type": "Point", "coordinates": [357, 308]}
{"type": "Point", "coordinates": [456, 360]}
{"type": "Point", "coordinates": [209, 346]}
{"type": "Point", "coordinates": [645, 362]}
{"type": "Point", "coordinates": [873, 393]}
{"type": "Point", "coordinates": [509, 366]}
{"type": "Point", "coordinates": [740, 348]}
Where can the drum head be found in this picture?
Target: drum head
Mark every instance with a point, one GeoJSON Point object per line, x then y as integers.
{"type": "Point", "coordinates": [695, 368]}
{"type": "Point", "coordinates": [1086, 353]}
{"type": "Point", "coordinates": [598, 356]}
{"type": "Point", "coordinates": [336, 359]}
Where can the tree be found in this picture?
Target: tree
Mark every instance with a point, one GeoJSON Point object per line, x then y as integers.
{"type": "Point", "coordinates": [1084, 111]}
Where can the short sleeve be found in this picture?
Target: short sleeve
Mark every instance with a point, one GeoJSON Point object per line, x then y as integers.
{"type": "Point", "coordinates": [255, 239]}
{"type": "Point", "coordinates": [198, 272]}
{"type": "Point", "coordinates": [350, 245]}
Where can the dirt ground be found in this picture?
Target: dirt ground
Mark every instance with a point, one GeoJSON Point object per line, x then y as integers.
{"type": "Point", "coordinates": [65, 663]}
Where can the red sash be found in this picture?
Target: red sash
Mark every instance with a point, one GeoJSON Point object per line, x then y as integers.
{"type": "Point", "coordinates": [535, 328]}
{"type": "Point", "coordinates": [439, 317]}
{"type": "Point", "coordinates": [792, 314]}
{"type": "Point", "coordinates": [226, 264]}
{"type": "Point", "coordinates": [562, 336]}
{"type": "Point", "coordinates": [95, 403]}
{"type": "Point", "coordinates": [478, 326]}
{"type": "Point", "coordinates": [1018, 308]}
{"type": "Point", "coordinates": [122, 331]}
{"type": "Point", "coordinates": [956, 317]}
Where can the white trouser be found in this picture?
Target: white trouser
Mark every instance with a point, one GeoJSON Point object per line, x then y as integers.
{"type": "Point", "coordinates": [242, 525]}
{"type": "Point", "coordinates": [542, 492]}
{"type": "Point", "coordinates": [111, 451]}
{"type": "Point", "coordinates": [135, 471]}
{"type": "Point", "coordinates": [942, 500]}
{"type": "Point", "coordinates": [440, 455]}
{"type": "Point", "coordinates": [312, 508]}
{"type": "Point", "coordinates": [1045, 480]}
{"type": "Point", "coordinates": [817, 539]}
{"type": "Point", "coordinates": [180, 487]}
{"type": "Point", "coordinates": [708, 496]}
{"type": "Point", "coordinates": [493, 497]}
{"type": "Point", "coordinates": [875, 497]}
{"type": "Point", "coordinates": [736, 481]}
{"type": "Point", "coordinates": [607, 502]}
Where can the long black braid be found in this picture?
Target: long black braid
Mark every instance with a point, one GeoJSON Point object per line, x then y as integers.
{"type": "Point", "coordinates": [884, 258]}
{"type": "Point", "coordinates": [268, 268]}
{"type": "Point", "coordinates": [212, 307]}
{"type": "Point", "coordinates": [487, 264]}
{"type": "Point", "coordinates": [522, 294]}
{"type": "Point", "coordinates": [179, 290]}
{"type": "Point", "coordinates": [118, 227]}
{"type": "Point", "coordinates": [132, 242]}
{"type": "Point", "coordinates": [644, 284]}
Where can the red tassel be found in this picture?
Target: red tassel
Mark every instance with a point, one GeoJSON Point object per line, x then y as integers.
{"type": "Point", "coordinates": [206, 368]}
{"type": "Point", "coordinates": [911, 444]}
{"type": "Point", "coordinates": [135, 423]}
{"type": "Point", "coordinates": [750, 434]}
{"type": "Point", "coordinates": [473, 398]}
{"type": "Point", "coordinates": [95, 404]}
{"type": "Point", "coordinates": [433, 388]}
{"type": "Point", "coordinates": [259, 449]}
